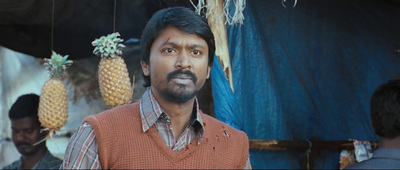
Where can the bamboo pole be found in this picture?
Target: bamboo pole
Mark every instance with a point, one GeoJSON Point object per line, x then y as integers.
{"type": "Point", "coordinates": [276, 145]}
{"type": "Point", "coordinates": [312, 148]}
{"type": "Point", "coordinates": [216, 20]}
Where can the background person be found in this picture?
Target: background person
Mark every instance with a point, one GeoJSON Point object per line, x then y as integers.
{"type": "Point", "coordinates": [26, 128]}
{"type": "Point", "coordinates": [385, 117]}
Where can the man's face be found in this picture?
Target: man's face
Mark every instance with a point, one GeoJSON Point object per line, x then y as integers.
{"type": "Point", "coordinates": [25, 133]}
{"type": "Point", "coordinates": [178, 65]}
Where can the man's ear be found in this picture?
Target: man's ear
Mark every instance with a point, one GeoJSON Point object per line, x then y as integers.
{"type": "Point", "coordinates": [208, 72]}
{"type": "Point", "coordinates": [145, 68]}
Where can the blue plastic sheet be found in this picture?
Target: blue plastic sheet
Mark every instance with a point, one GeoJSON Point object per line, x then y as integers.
{"type": "Point", "coordinates": [224, 100]}
{"type": "Point", "coordinates": [307, 72]}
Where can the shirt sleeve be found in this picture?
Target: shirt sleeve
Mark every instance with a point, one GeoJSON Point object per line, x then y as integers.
{"type": "Point", "coordinates": [81, 152]}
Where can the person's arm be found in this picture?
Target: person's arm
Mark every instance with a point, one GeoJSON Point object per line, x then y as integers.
{"type": "Point", "coordinates": [81, 152]}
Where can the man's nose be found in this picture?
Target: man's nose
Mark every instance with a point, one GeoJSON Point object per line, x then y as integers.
{"type": "Point", "coordinates": [20, 136]}
{"type": "Point", "coordinates": [183, 61]}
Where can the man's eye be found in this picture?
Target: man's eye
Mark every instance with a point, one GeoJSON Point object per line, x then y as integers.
{"type": "Point", "coordinates": [196, 52]}
{"type": "Point", "coordinates": [169, 50]}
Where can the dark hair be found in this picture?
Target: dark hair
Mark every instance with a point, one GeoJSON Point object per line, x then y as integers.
{"type": "Point", "coordinates": [25, 106]}
{"type": "Point", "coordinates": [181, 18]}
{"type": "Point", "coordinates": [385, 109]}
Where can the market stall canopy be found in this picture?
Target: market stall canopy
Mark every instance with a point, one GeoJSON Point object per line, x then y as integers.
{"type": "Point", "coordinates": [26, 26]}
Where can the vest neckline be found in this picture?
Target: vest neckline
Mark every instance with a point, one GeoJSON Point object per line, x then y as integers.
{"type": "Point", "coordinates": [174, 156]}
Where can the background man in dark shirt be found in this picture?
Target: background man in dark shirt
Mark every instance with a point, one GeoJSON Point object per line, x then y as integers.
{"type": "Point", "coordinates": [26, 127]}
{"type": "Point", "coordinates": [385, 117]}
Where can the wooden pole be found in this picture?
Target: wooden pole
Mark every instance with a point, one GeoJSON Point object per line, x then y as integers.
{"type": "Point", "coordinates": [312, 148]}
{"type": "Point", "coordinates": [216, 20]}
{"type": "Point", "coordinates": [276, 145]}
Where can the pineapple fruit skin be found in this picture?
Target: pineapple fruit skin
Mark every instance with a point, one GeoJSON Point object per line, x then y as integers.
{"type": "Point", "coordinates": [53, 105]}
{"type": "Point", "coordinates": [114, 81]}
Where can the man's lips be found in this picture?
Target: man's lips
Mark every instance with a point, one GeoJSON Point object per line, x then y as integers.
{"type": "Point", "coordinates": [22, 143]}
{"type": "Point", "coordinates": [182, 79]}
{"type": "Point", "coordinates": [182, 76]}
{"type": "Point", "coordinates": [23, 146]}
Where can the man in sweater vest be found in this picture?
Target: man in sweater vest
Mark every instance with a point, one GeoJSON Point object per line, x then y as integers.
{"type": "Point", "coordinates": [165, 129]}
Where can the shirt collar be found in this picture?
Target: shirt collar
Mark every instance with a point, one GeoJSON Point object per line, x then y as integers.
{"type": "Point", "coordinates": [150, 112]}
{"type": "Point", "coordinates": [45, 157]}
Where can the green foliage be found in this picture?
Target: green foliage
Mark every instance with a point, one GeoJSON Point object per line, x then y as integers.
{"type": "Point", "coordinates": [108, 46]}
{"type": "Point", "coordinates": [57, 65]}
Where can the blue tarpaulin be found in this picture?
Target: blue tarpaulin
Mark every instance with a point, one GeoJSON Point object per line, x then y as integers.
{"type": "Point", "coordinates": [307, 72]}
{"type": "Point", "coordinates": [224, 100]}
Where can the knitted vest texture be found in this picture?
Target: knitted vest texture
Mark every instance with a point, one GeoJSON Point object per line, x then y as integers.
{"type": "Point", "coordinates": [123, 145]}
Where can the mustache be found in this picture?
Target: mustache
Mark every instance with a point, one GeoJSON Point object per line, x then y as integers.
{"type": "Point", "coordinates": [22, 144]}
{"type": "Point", "coordinates": [177, 72]}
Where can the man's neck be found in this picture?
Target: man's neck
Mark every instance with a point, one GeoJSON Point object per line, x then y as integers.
{"type": "Point", "coordinates": [390, 142]}
{"type": "Point", "coordinates": [180, 114]}
{"type": "Point", "coordinates": [28, 161]}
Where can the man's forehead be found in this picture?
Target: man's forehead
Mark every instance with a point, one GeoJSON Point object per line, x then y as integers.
{"type": "Point", "coordinates": [167, 40]}
{"type": "Point", "coordinates": [179, 41]}
{"type": "Point", "coordinates": [171, 32]}
{"type": "Point", "coordinates": [26, 122]}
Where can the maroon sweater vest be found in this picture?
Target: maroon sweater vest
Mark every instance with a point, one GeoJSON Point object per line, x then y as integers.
{"type": "Point", "coordinates": [123, 145]}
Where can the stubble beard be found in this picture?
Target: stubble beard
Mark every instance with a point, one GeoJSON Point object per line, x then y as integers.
{"type": "Point", "coordinates": [179, 93]}
{"type": "Point", "coordinates": [30, 150]}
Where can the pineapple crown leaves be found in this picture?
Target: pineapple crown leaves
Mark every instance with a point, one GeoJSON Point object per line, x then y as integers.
{"type": "Point", "coordinates": [57, 65]}
{"type": "Point", "coordinates": [108, 46]}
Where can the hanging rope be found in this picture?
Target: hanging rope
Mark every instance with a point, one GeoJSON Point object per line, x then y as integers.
{"type": "Point", "coordinates": [308, 154]}
{"type": "Point", "coordinates": [115, 9]}
{"type": "Point", "coordinates": [236, 18]}
{"type": "Point", "coordinates": [52, 28]}
{"type": "Point", "coordinates": [200, 5]}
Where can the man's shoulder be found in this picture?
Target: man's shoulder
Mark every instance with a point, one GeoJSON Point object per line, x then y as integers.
{"type": "Point", "coordinates": [51, 163]}
{"type": "Point", "coordinates": [380, 163]}
{"type": "Point", "coordinates": [231, 141]}
{"type": "Point", "coordinates": [214, 123]}
{"type": "Point", "coordinates": [131, 109]}
{"type": "Point", "coordinates": [55, 160]}
{"type": "Point", "coordinates": [116, 118]}
{"type": "Point", "coordinates": [15, 165]}
{"type": "Point", "coordinates": [122, 109]}
{"type": "Point", "coordinates": [360, 165]}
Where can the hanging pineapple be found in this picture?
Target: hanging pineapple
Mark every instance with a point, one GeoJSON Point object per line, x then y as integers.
{"type": "Point", "coordinates": [114, 82]}
{"type": "Point", "coordinates": [53, 105]}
